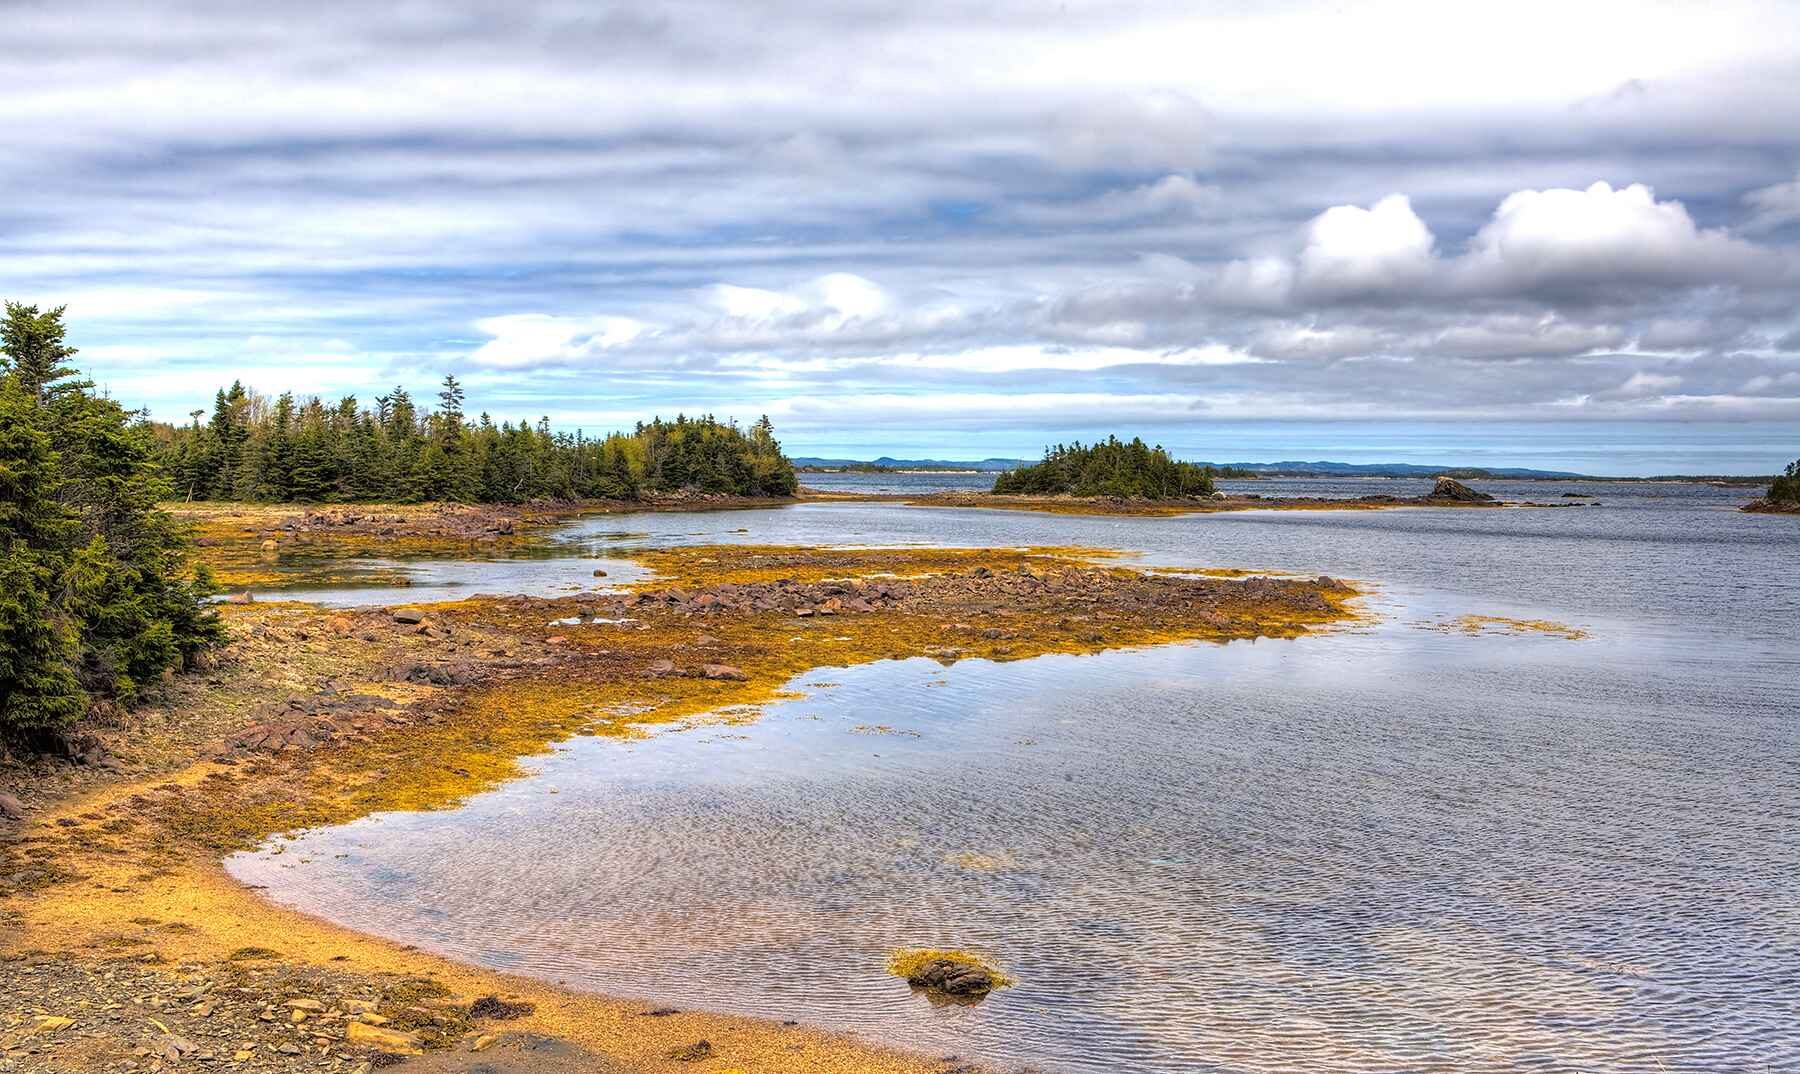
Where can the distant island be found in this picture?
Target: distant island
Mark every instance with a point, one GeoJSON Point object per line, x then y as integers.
{"type": "Point", "coordinates": [1114, 468]}
{"type": "Point", "coordinates": [1289, 468]}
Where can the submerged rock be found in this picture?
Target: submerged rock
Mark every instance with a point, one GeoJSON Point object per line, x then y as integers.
{"type": "Point", "coordinates": [1448, 488]}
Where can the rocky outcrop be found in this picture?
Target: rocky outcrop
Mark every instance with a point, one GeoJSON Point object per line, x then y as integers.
{"type": "Point", "coordinates": [1767, 506]}
{"type": "Point", "coordinates": [301, 723]}
{"type": "Point", "coordinates": [951, 977]}
{"type": "Point", "coordinates": [1450, 490]}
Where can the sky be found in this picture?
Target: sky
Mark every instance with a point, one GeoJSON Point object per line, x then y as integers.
{"type": "Point", "coordinates": [1552, 234]}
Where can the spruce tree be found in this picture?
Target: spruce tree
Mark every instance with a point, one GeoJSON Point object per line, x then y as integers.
{"type": "Point", "coordinates": [38, 641]}
{"type": "Point", "coordinates": [34, 351]}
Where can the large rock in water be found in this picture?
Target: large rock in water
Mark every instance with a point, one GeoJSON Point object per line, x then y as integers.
{"type": "Point", "coordinates": [953, 978]}
{"type": "Point", "coordinates": [1449, 488]}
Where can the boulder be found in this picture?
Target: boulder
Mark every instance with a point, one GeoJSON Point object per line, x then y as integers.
{"type": "Point", "coordinates": [391, 1041]}
{"type": "Point", "coordinates": [408, 615]}
{"type": "Point", "coordinates": [11, 808]}
{"type": "Point", "coordinates": [723, 671]}
{"type": "Point", "coordinates": [1448, 488]}
{"type": "Point", "coordinates": [953, 978]}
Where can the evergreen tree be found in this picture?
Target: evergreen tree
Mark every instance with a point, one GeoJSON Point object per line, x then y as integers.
{"type": "Point", "coordinates": [38, 640]}
{"type": "Point", "coordinates": [96, 598]}
{"type": "Point", "coordinates": [35, 353]}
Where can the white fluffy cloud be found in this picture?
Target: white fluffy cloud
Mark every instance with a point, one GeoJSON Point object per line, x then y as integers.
{"type": "Point", "coordinates": [1560, 244]}
{"type": "Point", "coordinates": [1350, 250]}
{"type": "Point", "coordinates": [1601, 237]}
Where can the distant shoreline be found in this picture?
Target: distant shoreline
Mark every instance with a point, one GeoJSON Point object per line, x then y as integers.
{"type": "Point", "coordinates": [1235, 472]}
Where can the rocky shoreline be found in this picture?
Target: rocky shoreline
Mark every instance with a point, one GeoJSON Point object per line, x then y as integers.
{"type": "Point", "coordinates": [1766, 506]}
{"type": "Point", "coordinates": [124, 947]}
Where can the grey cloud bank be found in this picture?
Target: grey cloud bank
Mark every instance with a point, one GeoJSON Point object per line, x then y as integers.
{"type": "Point", "coordinates": [918, 228]}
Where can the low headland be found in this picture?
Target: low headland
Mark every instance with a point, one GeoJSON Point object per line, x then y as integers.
{"type": "Point", "coordinates": [1783, 497]}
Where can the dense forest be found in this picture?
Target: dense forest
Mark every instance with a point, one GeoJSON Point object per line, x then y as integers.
{"type": "Point", "coordinates": [1131, 470]}
{"type": "Point", "coordinates": [97, 600]}
{"type": "Point", "coordinates": [255, 448]}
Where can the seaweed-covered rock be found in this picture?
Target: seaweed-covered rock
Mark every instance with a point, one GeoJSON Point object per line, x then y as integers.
{"type": "Point", "coordinates": [953, 978]}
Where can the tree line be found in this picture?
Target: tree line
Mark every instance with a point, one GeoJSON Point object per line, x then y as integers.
{"type": "Point", "coordinates": [289, 449]}
{"type": "Point", "coordinates": [97, 597]}
{"type": "Point", "coordinates": [1129, 470]}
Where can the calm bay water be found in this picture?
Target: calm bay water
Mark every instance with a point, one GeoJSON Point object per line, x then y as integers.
{"type": "Point", "coordinates": [1390, 848]}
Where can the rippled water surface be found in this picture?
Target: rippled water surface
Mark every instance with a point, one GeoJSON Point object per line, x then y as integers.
{"type": "Point", "coordinates": [1392, 848]}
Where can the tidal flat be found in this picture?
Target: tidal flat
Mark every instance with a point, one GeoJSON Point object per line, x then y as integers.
{"type": "Point", "coordinates": [1202, 823]}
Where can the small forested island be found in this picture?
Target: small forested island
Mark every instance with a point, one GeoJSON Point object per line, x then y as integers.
{"type": "Point", "coordinates": [1113, 468]}
{"type": "Point", "coordinates": [305, 450]}
{"type": "Point", "coordinates": [1783, 497]}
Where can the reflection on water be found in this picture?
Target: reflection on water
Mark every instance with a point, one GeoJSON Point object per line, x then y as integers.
{"type": "Point", "coordinates": [1395, 849]}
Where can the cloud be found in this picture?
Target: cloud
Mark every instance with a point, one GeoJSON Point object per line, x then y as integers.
{"type": "Point", "coordinates": [1599, 238]}
{"type": "Point", "coordinates": [1352, 251]}
{"type": "Point", "coordinates": [1774, 206]}
{"type": "Point", "coordinates": [1173, 197]}
{"type": "Point", "coordinates": [1291, 211]}
{"type": "Point", "coordinates": [524, 340]}
{"type": "Point", "coordinates": [1557, 245]}
{"type": "Point", "coordinates": [1149, 129]}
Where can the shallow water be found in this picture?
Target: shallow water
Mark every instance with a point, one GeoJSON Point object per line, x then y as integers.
{"type": "Point", "coordinates": [1393, 848]}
